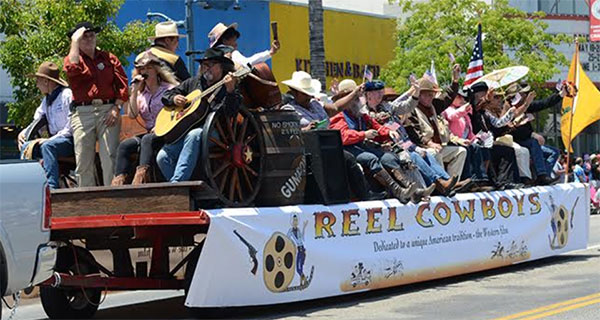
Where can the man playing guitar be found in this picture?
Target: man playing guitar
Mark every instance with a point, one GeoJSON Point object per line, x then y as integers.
{"type": "Point", "coordinates": [177, 160]}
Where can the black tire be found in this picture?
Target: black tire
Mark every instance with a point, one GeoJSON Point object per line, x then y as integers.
{"type": "Point", "coordinates": [71, 303]}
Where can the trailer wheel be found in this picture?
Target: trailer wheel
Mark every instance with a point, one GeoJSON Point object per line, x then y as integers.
{"type": "Point", "coordinates": [71, 303]}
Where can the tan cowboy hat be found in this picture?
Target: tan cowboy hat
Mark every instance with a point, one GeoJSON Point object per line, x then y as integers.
{"type": "Point", "coordinates": [426, 85]}
{"type": "Point", "coordinates": [304, 83]}
{"type": "Point", "coordinates": [217, 32]}
{"type": "Point", "coordinates": [505, 140]}
{"type": "Point", "coordinates": [166, 29]}
{"type": "Point", "coordinates": [145, 58]}
{"type": "Point", "coordinates": [50, 71]}
{"type": "Point", "coordinates": [344, 88]}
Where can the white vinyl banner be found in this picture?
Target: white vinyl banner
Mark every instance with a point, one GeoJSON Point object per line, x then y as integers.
{"type": "Point", "coordinates": [257, 256]}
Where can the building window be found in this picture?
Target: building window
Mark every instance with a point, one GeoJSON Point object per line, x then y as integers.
{"type": "Point", "coordinates": [563, 7]}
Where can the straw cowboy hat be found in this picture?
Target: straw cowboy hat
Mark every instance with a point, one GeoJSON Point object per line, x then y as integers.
{"type": "Point", "coordinates": [304, 83]}
{"type": "Point", "coordinates": [344, 88]}
{"type": "Point", "coordinates": [50, 71]}
{"type": "Point", "coordinates": [427, 85]}
{"type": "Point", "coordinates": [217, 32]}
{"type": "Point", "coordinates": [166, 29]}
{"type": "Point", "coordinates": [147, 58]}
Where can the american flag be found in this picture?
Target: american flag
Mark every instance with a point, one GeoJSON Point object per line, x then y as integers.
{"type": "Point", "coordinates": [475, 70]}
{"type": "Point", "coordinates": [368, 74]}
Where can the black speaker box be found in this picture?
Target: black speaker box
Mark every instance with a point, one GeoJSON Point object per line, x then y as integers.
{"type": "Point", "coordinates": [326, 182]}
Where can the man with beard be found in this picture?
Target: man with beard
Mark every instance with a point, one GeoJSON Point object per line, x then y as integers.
{"type": "Point", "coordinates": [303, 90]}
{"type": "Point", "coordinates": [361, 135]}
{"type": "Point", "coordinates": [428, 131]}
{"type": "Point", "coordinates": [178, 160]}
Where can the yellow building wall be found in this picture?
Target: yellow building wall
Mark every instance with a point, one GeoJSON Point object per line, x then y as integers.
{"type": "Point", "coordinates": [351, 42]}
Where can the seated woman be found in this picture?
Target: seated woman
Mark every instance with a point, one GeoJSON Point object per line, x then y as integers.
{"type": "Point", "coordinates": [222, 35]}
{"type": "Point", "coordinates": [150, 80]}
{"type": "Point", "coordinates": [498, 117]}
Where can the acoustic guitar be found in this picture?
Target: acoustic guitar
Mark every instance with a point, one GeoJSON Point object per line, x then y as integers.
{"type": "Point", "coordinates": [174, 122]}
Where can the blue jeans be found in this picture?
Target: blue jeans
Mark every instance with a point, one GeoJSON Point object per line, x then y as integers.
{"type": "Point", "coordinates": [430, 169]}
{"type": "Point", "coordinates": [177, 161]}
{"type": "Point", "coordinates": [367, 157]}
{"type": "Point", "coordinates": [536, 155]}
{"type": "Point", "coordinates": [551, 155]}
{"type": "Point", "coordinates": [475, 164]}
{"type": "Point", "coordinates": [50, 151]}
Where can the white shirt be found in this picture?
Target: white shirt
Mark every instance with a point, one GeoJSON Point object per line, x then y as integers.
{"type": "Point", "coordinates": [57, 114]}
{"type": "Point", "coordinates": [239, 58]}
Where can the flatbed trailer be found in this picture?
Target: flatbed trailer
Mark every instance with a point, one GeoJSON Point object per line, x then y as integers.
{"type": "Point", "coordinates": [348, 247]}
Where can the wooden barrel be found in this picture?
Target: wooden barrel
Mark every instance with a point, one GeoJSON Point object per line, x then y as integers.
{"type": "Point", "coordinates": [284, 171]}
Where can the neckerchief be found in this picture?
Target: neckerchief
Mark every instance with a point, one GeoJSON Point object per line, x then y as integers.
{"type": "Point", "coordinates": [53, 95]}
{"type": "Point", "coordinates": [355, 124]}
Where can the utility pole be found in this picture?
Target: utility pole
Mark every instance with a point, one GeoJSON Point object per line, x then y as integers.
{"type": "Point", "coordinates": [317, 46]}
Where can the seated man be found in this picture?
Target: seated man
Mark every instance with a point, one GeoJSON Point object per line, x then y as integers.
{"type": "Point", "coordinates": [312, 113]}
{"type": "Point", "coordinates": [177, 160]}
{"type": "Point", "coordinates": [428, 131]}
{"type": "Point", "coordinates": [55, 107]}
{"type": "Point", "coordinates": [222, 35]}
{"type": "Point", "coordinates": [359, 131]}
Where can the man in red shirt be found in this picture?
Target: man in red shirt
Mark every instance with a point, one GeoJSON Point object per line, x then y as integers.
{"type": "Point", "coordinates": [99, 86]}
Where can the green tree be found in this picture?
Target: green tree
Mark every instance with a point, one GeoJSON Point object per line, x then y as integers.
{"type": "Point", "coordinates": [36, 31]}
{"type": "Point", "coordinates": [436, 28]}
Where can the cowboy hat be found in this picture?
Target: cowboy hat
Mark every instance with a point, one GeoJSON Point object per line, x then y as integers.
{"type": "Point", "coordinates": [218, 31]}
{"type": "Point", "coordinates": [426, 85]}
{"type": "Point", "coordinates": [505, 140]}
{"type": "Point", "coordinates": [85, 24]}
{"type": "Point", "coordinates": [216, 54]}
{"type": "Point", "coordinates": [50, 71]}
{"type": "Point", "coordinates": [166, 29]}
{"type": "Point", "coordinates": [344, 88]}
{"type": "Point", "coordinates": [303, 82]}
{"type": "Point", "coordinates": [145, 58]}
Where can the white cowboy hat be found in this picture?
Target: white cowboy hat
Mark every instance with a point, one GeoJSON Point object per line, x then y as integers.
{"type": "Point", "coordinates": [304, 83]}
{"type": "Point", "coordinates": [217, 32]}
{"type": "Point", "coordinates": [344, 88]}
{"type": "Point", "coordinates": [166, 29]}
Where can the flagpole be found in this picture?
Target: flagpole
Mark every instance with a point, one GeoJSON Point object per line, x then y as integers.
{"type": "Point", "coordinates": [571, 111]}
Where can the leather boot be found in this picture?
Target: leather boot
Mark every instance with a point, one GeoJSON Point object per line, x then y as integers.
{"type": "Point", "coordinates": [445, 186]}
{"type": "Point", "coordinates": [422, 194]}
{"type": "Point", "coordinates": [119, 180]}
{"type": "Point", "coordinates": [402, 194]}
{"type": "Point", "coordinates": [401, 178]}
{"type": "Point", "coordinates": [463, 186]}
{"type": "Point", "coordinates": [141, 175]}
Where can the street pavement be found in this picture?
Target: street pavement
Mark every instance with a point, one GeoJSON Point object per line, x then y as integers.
{"type": "Point", "coordinates": [561, 287]}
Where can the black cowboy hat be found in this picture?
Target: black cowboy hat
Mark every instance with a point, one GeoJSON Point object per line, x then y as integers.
{"type": "Point", "coordinates": [217, 54]}
{"type": "Point", "coordinates": [87, 25]}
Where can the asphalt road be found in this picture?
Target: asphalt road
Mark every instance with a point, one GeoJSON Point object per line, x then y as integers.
{"type": "Point", "coordinates": [561, 287]}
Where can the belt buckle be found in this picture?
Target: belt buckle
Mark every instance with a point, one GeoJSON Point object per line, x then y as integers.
{"type": "Point", "coordinates": [97, 102]}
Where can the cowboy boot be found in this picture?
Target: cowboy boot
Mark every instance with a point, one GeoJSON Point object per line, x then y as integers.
{"type": "Point", "coordinates": [401, 178]}
{"type": "Point", "coordinates": [402, 194]}
{"type": "Point", "coordinates": [141, 175]}
{"type": "Point", "coordinates": [445, 186]}
{"type": "Point", "coordinates": [119, 180]}
{"type": "Point", "coordinates": [422, 194]}
{"type": "Point", "coordinates": [463, 186]}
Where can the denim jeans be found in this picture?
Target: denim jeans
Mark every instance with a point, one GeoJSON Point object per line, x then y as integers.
{"type": "Point", "coordinates": [177, 161]}
{"type": "Point", "coordinates": [551, 155]}
{"type": "Point", "coordinates": [430, 168]}
{"type": "Point", "coordinates": [367, 157]}
{"type": "Point", "coordinates": [475, 164]}
{"type": "Point", "coordinates": [536, 154]}
{"type": "Point", "coordinates": [50, 151]}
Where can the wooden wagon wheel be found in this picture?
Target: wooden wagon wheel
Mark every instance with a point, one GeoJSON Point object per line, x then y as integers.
{"type": "Point", "coordinates": [232, 154]}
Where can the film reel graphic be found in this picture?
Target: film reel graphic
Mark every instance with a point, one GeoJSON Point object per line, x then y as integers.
{"type": "Point", "coordinates": [561, 218]}
{"type": "Point", "coordinates": [279, 262]}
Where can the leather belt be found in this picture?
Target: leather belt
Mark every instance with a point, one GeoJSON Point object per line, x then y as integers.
{"type": "Point", "coordinates": [95, 102]}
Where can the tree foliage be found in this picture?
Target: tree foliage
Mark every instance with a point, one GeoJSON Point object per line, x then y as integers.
{"type": "Point", "coordinates": [436, 28]}
{"type": "Point", "coordinates": [36, 31]}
